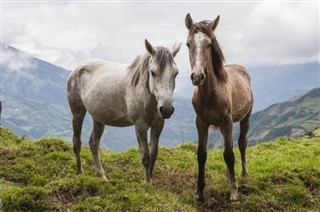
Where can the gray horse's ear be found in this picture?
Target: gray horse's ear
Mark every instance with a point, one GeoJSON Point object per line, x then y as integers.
{"type": "Point", "coordinates": [149, 47]}
{"type": "Point", "coordinates": [214, 24]}
{"type": "Point", "coordinates": [176, 49]}
{"type": "Point", "coordinates": [188, 21]}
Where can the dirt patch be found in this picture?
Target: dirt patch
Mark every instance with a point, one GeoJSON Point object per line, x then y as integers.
{"type": "Point", "coordinates": [179, 181]}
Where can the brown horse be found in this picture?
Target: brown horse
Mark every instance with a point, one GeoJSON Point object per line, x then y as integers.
{"type": "Point", "coordinates": [222, 96]}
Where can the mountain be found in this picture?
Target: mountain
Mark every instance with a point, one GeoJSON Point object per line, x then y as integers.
{"type": "Point", "coordinates": [41, 176]}
{"type": "Point", "coordinates": [270, 84]}
{"type": "Point", "coordinates": [33, 95]}
{"type": "Point", "coordinates": [291, 118]}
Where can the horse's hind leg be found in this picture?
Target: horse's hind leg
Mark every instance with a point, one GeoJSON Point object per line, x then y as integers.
{"type": "Point", "coordinates": [77, 122]}
{"type": "Point", "coordinates": [94, 143]}
{"type": "Point", "coordinates": [78, 112]}
{"type": "Point", "coordinates": [242, 142]}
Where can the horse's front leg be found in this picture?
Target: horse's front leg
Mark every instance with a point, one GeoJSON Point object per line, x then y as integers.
{"type": "Point", "coordinates": [142, 136]}
{"type": "Point", "coordinates": [156, 130]}
{"type": "Point", "coordinates": [226, 130]}
{"type": "Point", "coordinates": [202, 128]}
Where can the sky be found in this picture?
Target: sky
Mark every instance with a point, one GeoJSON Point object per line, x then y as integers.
{"type": "Point", "coordinates": [65, 33]}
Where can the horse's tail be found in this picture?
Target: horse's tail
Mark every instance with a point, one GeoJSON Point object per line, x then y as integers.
{"type": "Point", "coordinates": [74, 93]}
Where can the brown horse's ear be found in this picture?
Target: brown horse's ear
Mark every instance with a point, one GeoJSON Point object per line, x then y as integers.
{"type": "Point", "coordinates": [176, 49]}
{"type": "Point", "coordinates": [214, 23]}
{"type": "Point", "coordinates": [149, 47]}
{"type": "Point", "coordinates": [188, 21]}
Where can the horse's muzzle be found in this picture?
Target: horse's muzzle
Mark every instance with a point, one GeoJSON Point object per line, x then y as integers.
{"type": "Point", "coordinates": [166, 112]}
{"type": "Point", "coordinates": [197, 79]}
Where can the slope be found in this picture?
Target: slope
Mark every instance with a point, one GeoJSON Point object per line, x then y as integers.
{"type": "Point", "coordinates": [39, 176]}
{"type": "Point", "coordinates": [291, 118]}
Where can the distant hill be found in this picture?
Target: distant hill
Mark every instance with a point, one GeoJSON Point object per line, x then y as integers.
{"type": "Point", "coordinates": [291, 118]}
{"type": "Point", "coordinates": [41, 176]}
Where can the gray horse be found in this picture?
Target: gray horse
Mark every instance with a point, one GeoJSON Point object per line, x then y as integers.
{"type": "Point", "coordinates": [120, 95]}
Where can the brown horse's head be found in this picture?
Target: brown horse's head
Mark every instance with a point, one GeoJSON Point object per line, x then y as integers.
{"type": "Point", "coordinates": [203, 48]}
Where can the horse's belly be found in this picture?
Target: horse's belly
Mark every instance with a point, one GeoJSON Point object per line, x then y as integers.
{"type": "Point", "coordinates": [113, 118]}
{"type": "Point", "coordinates": [120, 122]}
{"type": "Point", "coordinates": [240, 113]}
{"type": "Point", "coordinates": [242, 105]}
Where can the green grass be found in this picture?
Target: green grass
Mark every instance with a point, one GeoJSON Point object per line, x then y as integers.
{"type": "Point", "coordinates": [284, 175]}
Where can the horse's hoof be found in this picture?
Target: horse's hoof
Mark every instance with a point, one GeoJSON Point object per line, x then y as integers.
{"type": "Point", "coordinates": [102, 176]}
{"type": "Point", "coordinates": [79, 171]}
{"type": "Point", "coordinates": [199, 197]}
{"type": "Point", "coordinates": [105, 178]}
{"type": "Point", "coordinates": [147, 182]}
{"type": "Point", "coordinates": [234, 197]}
{"type": "Point", "coordinates": [244, 174]}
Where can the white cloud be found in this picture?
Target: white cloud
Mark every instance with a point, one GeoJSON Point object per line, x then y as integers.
{"type": "Point", "coordinates": [17, 63]}
{"type": "Point", "coordinates": [282, 33]}
{"type": "Point", "coordinates": [260, 33]}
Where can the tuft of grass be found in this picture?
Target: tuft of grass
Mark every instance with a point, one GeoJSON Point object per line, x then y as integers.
{"type": "Point", "coordinates": [284, 175]}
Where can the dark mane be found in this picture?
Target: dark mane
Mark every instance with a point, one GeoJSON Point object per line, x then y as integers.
{"type": "Point", "coordinates": [217, 56]}
{"type": "Point", "coordinates": [138, 70]}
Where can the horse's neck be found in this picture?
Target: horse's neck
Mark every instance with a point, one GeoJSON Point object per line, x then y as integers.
{"type": "Point", "coordinates": [211, 82]}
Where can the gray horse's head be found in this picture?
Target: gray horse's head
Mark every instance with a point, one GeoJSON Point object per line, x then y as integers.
{"type": "Point", "coordinates": [162, 74]}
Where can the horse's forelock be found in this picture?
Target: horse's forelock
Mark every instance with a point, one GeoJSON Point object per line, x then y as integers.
{"type": "Point", "coordinates": [138, 68]}
{"type": "Point", "coordinates": [203, 27]}
{"type": "Point", "coordinates": [162, 57]}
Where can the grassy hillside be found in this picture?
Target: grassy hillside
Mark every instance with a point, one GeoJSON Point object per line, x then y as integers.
{"type": "Point", "coordinates": [40, 175]}
{"type": "Point", "coordinates": [291, 118]}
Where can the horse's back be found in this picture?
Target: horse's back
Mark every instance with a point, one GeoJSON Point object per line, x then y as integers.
{"type": "Point", "coordinates": [99, 86]}
{"type": "Point", "coordinates": [236, 70]}
{"type": "Point", "coordinates": [241, 93]}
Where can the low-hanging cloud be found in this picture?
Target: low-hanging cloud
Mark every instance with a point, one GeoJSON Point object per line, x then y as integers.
{"type": "Point", "coordinates": [17, 63]}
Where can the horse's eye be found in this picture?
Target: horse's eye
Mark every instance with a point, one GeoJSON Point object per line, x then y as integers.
{"type": "Point", "coordinates": [209, 45]}
{"type": "Point", "coordinates": [152, 73]}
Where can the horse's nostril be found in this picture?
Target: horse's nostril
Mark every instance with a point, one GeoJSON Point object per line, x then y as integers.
{"type": "Point", "coordinates": [161, 109]}
{"type": "Point", "coordinates": [202, 76]}
{"type": "Point", "coordinates": [172, 109]}
{"type": "Point", "coordinates": [192, 76]}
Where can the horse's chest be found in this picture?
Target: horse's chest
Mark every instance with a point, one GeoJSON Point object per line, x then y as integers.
{"type": "Point", "coordinates": [211, 109]}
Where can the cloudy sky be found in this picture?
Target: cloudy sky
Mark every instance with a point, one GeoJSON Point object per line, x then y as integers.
{"type": "Point", "coordinates": [251, 33]}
